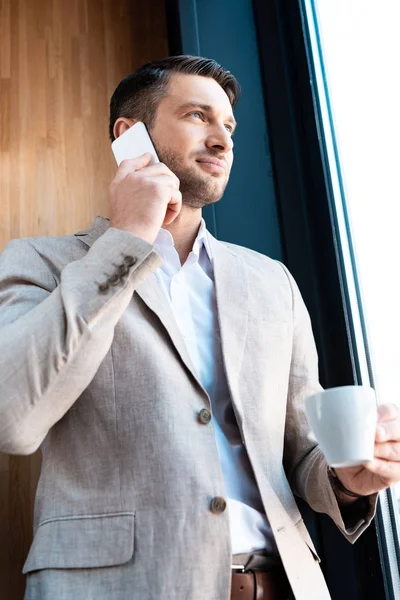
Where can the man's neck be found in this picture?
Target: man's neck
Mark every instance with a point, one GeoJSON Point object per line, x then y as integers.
{"type": "Point", "coordinates": [184, 230]}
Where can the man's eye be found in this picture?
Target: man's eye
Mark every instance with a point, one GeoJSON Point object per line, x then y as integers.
{"type": "Point", "coordinates": [229, 129]}
{"type": "Point", "coordinates": [195, 113]}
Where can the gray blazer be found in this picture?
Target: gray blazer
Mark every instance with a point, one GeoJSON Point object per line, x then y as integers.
{"type": "Point", "coordinates": [100, 377]}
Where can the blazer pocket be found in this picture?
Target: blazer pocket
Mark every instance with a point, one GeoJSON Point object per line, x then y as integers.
{"type": "Point", "coordinates": [82, 541]}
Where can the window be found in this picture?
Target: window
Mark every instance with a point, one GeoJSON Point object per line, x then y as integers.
{"type": "Point", "coordinates": [355, 49]}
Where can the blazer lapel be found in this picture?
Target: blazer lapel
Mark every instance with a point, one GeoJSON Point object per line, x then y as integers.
{"type": "Point", "coordinates": [232, 301]}
{"type": "Point", "coordinates": [151, 294]}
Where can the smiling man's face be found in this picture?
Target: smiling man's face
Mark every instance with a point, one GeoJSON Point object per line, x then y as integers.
{"type": "Point", "coordinates": [192, 134]}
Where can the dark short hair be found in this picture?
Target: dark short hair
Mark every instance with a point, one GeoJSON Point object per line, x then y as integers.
{"type": "Point", "coordinates": [137, 96]}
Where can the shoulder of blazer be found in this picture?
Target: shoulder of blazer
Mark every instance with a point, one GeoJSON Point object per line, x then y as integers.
{"type": "Point", "coordinates": [53, 252]}
{"type": "Point", "coordinates": [262, 268]}
{"type": "Point", "coordinates": [253, 258]}
{"type": "Point", "coordinates": [48, 246]}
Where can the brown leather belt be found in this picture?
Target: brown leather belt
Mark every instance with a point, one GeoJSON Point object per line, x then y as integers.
{"type": "Point", "coordinates": [257, 585]}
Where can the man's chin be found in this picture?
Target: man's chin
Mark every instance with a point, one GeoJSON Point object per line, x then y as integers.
{"type": "Point", "coordinates": [201, 195]}
{"type": "Point", "coordinates": [212, 183]}
{"type": "Point", "coordinates": [198, 187]}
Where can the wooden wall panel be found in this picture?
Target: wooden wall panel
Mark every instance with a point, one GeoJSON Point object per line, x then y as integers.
{"type": "Point", "coordinates": [59, 64]}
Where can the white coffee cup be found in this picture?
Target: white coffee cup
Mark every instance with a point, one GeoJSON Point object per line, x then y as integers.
{"type": "Point", "coordinates": [343, 420]}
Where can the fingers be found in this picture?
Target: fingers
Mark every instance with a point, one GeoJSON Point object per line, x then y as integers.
{"type": "Point", "coordinates": [128, 167]}
{"type": "Point", "coordinates": [387, 470]}
{"type": "Point", "coordinates": [388, 431]}
{"type": "Point", "coordinates": [388, 451]}
{"type": "Point", "coordinates": [176, 200]}
{"type": "Point", "coordinates": [131, 165]}
{"type": "Point", "coordinates": [174, 206]}
{"type": "Point", "coordinates": [388, 428]}
{"type": "Point", "coordinates": [164, 179]}
{"type": "Point", "coordinates": [160, 169]}
{"type": "Point", "coordinates": [384, 470]}
{"type": "Point", "coordinates": [388, 412]}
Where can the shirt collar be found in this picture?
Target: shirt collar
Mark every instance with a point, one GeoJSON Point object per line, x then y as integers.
{"type": "Point", "coordinates": [164, 238]}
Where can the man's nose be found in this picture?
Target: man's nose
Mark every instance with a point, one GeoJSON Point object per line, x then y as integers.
{"type": "Point", "coordinates": [220, 139]}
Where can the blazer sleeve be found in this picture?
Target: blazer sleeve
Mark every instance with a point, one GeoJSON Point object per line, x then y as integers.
{"type": "Point", "coordinates": [304, 463]}
{"type": "Point", "coordinates": [54, 334]}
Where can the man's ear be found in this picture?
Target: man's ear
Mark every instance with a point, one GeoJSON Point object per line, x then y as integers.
{"type": "Point", "coordinates": [121, 125]}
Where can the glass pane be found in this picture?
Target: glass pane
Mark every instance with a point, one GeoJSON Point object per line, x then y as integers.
{"type": "Point", "coordinates": [356, 50]}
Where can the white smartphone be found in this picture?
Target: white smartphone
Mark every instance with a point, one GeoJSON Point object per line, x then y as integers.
{"type": "Point", "coordinates": [134, 142]}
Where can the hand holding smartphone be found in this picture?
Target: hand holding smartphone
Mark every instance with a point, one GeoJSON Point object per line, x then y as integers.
{"type": "Point", "coordinates": [144, 194]}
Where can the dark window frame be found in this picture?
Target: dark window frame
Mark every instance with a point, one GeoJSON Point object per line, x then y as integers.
{"type": "Point", "coordinates": [313, 255]}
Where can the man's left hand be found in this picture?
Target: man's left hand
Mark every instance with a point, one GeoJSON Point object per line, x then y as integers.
{"type": "Point", "coordinates": [384, 470]}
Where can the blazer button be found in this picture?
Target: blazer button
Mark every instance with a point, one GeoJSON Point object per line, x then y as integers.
{"type": "Point", "coordinates": [204, 416]}
{"type": "Point", "coordinates": [113, 279]}
{"type": "Point", "coordinates": [130, 260]}
{"type": "Point", "coordinates": [122, 270]}
{"type": "Point", "coordinates": [218, 505]}
{"type": "Point", "coordinates": [103, 287]}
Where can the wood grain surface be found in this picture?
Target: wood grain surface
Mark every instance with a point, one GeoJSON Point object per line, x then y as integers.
{"type": "Point", "coordinates": [60, 61]}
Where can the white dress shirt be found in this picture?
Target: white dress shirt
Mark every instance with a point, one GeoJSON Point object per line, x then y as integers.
{"type": "Point", "coordinates": [191, 291]}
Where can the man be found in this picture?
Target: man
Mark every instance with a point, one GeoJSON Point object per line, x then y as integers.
{"type": "Point", "coordinates": [163, 374]}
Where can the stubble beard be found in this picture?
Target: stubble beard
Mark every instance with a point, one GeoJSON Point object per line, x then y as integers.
{"type": "Point", "coordinates": [197, 190]}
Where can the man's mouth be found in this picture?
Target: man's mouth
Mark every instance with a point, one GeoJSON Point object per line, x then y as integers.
{"type": "Point", "coordinates": [212, 164]}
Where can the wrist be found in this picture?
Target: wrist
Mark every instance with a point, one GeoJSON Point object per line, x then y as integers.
{"type": "Point", "coordinates": [135, 230]}
{"type": "Point", "coordinates": [345, 495]}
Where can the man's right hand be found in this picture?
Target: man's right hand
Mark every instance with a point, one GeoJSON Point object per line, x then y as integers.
{"type": "Point", "coordinates": [144, 198]}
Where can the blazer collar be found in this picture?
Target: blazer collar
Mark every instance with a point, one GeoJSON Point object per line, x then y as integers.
{"type": "Point", "coordinates": [232, 302]}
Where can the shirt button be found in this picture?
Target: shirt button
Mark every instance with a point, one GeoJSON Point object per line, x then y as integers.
{"type": "Point", "coordinates": [218, 505]}
{"type": "Point", "coordinates": [204, 416]}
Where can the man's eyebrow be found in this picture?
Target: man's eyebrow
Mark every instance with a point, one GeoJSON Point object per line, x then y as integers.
{"type": "Point", "coordinates": [206, 108]}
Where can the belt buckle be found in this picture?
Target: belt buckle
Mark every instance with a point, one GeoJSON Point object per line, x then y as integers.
{"type": "Point", "coordinates": [238, 569]}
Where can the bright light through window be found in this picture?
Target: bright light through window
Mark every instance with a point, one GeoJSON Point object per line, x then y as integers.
{"type": "Point", "coordinates": [361, 51]}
